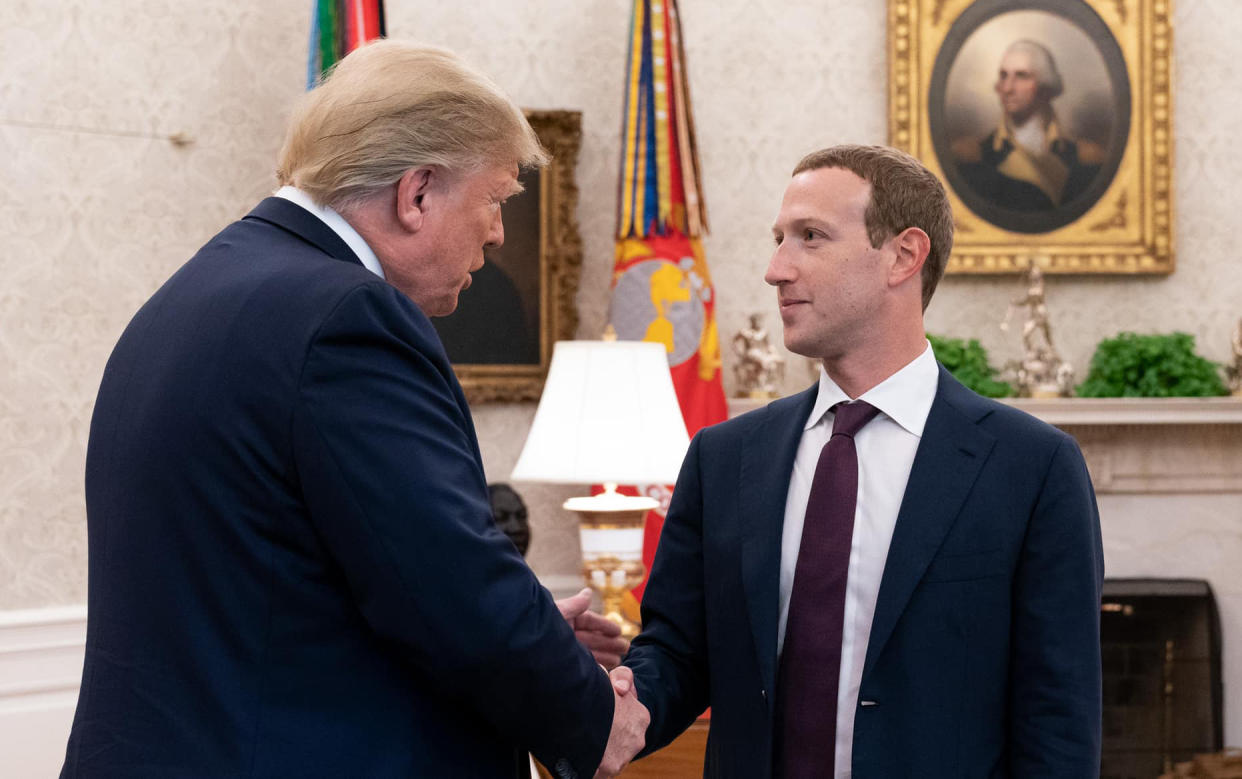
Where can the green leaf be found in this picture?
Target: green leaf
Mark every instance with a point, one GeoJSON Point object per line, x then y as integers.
{"type": "Point", "coordinates": [968, 362]}
{"type": "Point", "coordinates": [1151, 366]}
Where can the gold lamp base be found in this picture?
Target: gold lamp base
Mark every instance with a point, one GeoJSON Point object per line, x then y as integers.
{"type": "Point", "coordinates": [611, 529]}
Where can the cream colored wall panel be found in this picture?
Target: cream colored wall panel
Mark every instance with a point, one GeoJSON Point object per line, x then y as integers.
{"type": "Point", "coordinates": [97, 209]}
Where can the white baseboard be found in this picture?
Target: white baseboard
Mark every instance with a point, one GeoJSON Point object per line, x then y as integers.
{"type": "Point", "coordinates": [41, 654]}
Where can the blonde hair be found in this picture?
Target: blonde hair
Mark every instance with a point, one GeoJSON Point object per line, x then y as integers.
{"type": "Point", "coordinates": [904, 194]}
{"type": "Point", "coordinates": [391, 106]}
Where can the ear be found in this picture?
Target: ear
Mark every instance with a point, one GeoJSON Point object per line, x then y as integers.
{"type": "Point", "coordinates": [412, 190]}
{"type": "Point", "coordinates": [911, 247]}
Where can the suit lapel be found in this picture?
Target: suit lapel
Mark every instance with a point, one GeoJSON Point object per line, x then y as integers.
{"type": "Point", "coordinates": [767, 458]}
{"type": "Point", "coordinates": [291, 217]}
{"type": "Point", "coordinates": [948, 460]}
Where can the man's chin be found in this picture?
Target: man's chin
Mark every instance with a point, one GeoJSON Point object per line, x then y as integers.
{"type": "Point", "coordinates": [803, 348]}
{"type": "Point", "coordinates": [796, 347]}
{"type": "Point", "coordinates": [442, 308]}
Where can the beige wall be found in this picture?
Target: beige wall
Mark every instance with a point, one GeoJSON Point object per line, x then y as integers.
{"type": "Point", "coordinates": [96, 210]}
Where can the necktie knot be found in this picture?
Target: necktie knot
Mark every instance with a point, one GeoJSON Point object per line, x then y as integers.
{"type": "Point", "coordinates": [851, 417]}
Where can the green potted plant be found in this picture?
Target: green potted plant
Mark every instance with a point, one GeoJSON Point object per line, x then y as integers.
{"type": "Point", "coordinates": [1151, 366]}
{"type": "Point", "coordinates": [968, 362]}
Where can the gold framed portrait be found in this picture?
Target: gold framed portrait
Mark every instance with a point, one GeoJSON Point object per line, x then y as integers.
{"type": "Point", "coordinates": [1050, 123]}
{"type": "Point", "coordinates": [522, 300]}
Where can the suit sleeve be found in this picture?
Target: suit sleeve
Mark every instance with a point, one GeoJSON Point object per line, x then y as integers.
{"type": "Point", "coordinates": [1055, 677]}
{"type": "Point", "coordinates": [669, 657]}
{"type": "Point", "coordinates": [389, 469]}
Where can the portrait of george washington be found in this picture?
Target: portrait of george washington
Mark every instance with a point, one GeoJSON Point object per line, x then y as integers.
{"type": "Point", "coordinates": [1029, 109]}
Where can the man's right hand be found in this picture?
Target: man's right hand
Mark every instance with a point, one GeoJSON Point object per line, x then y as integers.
{"type": "Point", "coordinates": [629, 724]}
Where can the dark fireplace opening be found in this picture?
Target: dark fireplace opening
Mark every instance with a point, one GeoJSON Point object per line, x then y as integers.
{"type": "Point", "coordinates": [1162, 678]}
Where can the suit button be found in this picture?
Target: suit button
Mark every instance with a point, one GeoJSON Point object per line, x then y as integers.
{"type": "Point", "coordinates": [564, 770]}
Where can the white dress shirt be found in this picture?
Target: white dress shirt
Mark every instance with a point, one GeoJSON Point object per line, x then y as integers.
{"type": "Point", "coordinates": [886, 447]}
{"type": "Point", "coordinates": [338, 225]}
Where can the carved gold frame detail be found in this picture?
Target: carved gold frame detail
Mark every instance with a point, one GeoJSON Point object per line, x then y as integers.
{"type": "Point", "coordinates": [1129, 229]}
{"type": "Point", "coordinates": [560, 264]}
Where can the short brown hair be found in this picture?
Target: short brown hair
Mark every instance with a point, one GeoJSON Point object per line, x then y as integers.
{"type": "Point", "coordinates": [390, 106]}
{"type": "Point", "coordinates": [904, 194]}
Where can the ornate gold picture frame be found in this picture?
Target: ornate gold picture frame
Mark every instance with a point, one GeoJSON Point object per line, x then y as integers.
{"type": "Point", "coordinates": [1072, 170]}
{"type": "Point", "coordinates": [523, 299]}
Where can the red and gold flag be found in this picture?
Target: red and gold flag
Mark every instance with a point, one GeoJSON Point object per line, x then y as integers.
{"type": "Point", "coordinates": [661, 287]}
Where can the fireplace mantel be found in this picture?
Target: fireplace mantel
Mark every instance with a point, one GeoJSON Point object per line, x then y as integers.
{"type": "Point", "coordinates": [1141, 445]}
{"type": "Point", "coordinates": [1063, 412]}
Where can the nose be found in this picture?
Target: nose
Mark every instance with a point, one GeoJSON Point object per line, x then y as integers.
{"type": "Point", "coordinates": [779, 270]}
{"type": "Point", "coordinates": [496, 234]}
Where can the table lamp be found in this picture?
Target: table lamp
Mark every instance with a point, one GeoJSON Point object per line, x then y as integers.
{"type": "Point", "coordinates": [608, 415]}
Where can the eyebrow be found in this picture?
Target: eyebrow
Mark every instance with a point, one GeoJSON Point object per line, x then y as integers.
{"type": "Point", "coordinates": [806, 221]}
{"type": "Point", "coordinates": [516, 189]}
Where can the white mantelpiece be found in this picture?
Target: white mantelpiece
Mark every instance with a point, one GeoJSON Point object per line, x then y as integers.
{"type": "Point", "coordinates": [1152, 445]}
{"type": "Point", "coordinates": [1141, 445]}
{"type": "Point", "coordinates": [1102, 411]}
{"type": "Point", "coordinates": [1133, 411]}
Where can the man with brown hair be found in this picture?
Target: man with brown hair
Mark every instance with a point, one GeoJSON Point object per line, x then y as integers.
{"type": "Point", "coordinates": [294, 571]}
{"type": "Point", "coordinates": [885, 575]}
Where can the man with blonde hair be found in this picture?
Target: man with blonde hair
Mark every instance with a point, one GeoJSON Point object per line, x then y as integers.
{"type": "Point", "coordinates": [293, 565]}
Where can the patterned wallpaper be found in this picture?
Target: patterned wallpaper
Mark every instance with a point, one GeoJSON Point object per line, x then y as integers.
{"type": "Point", "coordinates": [97, 208]}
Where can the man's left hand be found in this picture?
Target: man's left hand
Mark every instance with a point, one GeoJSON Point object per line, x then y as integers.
{"type": "Point", "coordinates": [600, 635]}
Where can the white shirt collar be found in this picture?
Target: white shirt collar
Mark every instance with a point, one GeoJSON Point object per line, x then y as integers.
{"type": "Point", "coordinates": [338, 225]}
{"type": "Point", "coordinates": [905, 397]}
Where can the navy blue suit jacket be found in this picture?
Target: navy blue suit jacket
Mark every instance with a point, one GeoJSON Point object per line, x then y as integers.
{"type": "Point", "coordinates": [984, 653]}
{"type": "Point", "coordinates": [293, 565]}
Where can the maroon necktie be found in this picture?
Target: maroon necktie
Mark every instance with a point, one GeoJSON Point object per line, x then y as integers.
{"type": "Point", "coordinates": [810, 665]}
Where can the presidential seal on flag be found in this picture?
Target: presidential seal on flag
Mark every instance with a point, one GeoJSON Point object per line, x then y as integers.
{"type": "Point", "coordinates": [660, 297]}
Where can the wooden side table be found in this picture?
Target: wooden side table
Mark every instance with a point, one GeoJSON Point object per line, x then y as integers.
{"type": "Point", "coordinates": [682, 759]}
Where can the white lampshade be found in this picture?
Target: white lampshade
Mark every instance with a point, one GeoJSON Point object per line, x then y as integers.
{"type": "Point", "coordinates": [608, 414]}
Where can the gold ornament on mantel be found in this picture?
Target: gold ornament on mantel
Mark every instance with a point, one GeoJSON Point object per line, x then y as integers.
{"type": "Point", "coordinates": [760, 368]}
{"type": "Point", "coordinates": [1235, 371]}
{"type": "Point", "coordinates": [1041, 373]}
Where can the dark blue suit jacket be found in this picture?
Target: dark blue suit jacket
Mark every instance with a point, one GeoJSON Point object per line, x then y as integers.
{"type": "Point", "coordinates": [293, 565]}
{"type": "Point", "coordinates": [984, 653]}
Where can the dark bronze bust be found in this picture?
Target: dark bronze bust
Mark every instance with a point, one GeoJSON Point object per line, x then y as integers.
{"type": "Point", "coordinates": [510, 514]}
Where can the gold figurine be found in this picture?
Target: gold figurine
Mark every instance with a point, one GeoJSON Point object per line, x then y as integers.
{"type": "Point", "coordinates": [1235, 370]}
{"type": "Point", "coordinates": [1041, 373]}
{"type": "Point", "coordinates": [760, 368]}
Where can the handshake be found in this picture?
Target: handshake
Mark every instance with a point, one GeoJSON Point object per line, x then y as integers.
{"type": "Point", "coordinates": [629, 724]}
{"type": "Point", "coordinates": [602, 638]}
